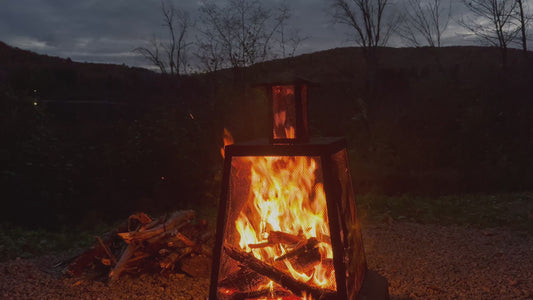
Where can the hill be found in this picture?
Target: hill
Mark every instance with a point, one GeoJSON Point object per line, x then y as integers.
{"type": "Point", "coordinates": [104, 140]}
{"type": "Point", "coordinates": [435, 121]}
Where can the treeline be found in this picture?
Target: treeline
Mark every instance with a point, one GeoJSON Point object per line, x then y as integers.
{"type": "Point", "coordinates": [432, 121]}
{"type": "Point", "coordinates": [83, 143]}
{"type": "Point", "coordinates": [240, 33]}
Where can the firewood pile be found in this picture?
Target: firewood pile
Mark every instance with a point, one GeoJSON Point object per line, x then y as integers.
{"type": "Point", "coordinates": [142, 244]}
{"type": "Point", "coordinates": [251, 273]}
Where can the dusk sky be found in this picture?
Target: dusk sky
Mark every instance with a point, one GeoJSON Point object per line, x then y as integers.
{"type": "Point", "coordinates": [107, 31]}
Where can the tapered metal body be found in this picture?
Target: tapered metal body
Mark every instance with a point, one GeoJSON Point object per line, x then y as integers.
{"type": "Point", "coordinates": [287, 223]}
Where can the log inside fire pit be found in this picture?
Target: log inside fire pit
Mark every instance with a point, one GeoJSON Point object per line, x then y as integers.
{"type": "Point", "coordinates": [279, 277]}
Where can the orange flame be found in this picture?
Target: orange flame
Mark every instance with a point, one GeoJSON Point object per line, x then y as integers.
{"type": "Point", "coordinates": [280, 118]}
{"type": "Point", "coordinates": [228, 140]}
{"type": "Point", "coordinates": [285, 196]}
{"type": "Point", "coordinates": [282, 126]}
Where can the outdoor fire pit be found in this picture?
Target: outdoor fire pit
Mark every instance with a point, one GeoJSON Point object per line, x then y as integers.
{"type": "Point", "coordinates": [287, 222]}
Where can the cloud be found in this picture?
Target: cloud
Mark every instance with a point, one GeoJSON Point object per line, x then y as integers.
{"type": "Point", "coordinates": [107, 31]}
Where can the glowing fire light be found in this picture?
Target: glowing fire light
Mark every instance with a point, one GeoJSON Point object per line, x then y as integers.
{"type": "Point", "coordinates": [228, 140]}
{"type": "Point", "coordinates": [281, 122]}
{"type": "Point", "coordinates": [286, 197]}
{"type": "Point", "coordinates": [280, 119]}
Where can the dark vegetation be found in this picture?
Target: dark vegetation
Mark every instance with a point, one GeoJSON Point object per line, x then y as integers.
{"type": "Point", "coordinates": [84, 144]}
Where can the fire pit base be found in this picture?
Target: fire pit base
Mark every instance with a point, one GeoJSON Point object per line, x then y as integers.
{"type": "Point", "coordinates": [375, 287]}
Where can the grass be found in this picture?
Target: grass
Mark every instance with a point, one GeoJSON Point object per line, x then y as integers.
{"type": "Point", "coordinates": [514, 210]}
{"type": "Point", "coordinates": [20, 242]}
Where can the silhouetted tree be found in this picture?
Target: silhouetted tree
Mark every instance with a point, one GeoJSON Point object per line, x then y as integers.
{"type": "Point", "coordinates": [371, 27]}
{"type": "Point", "coordinates": [288, 38]}
{"type": "Point", "coordinates": [425, 20]}
{"type": "Point", "coordinates": [237, 34]}
{"type": "Point", "coordinates": [523, 19]}
{"type": "Point", "coordinates": [170, 56]}
{"type": "Point", "coordinates": [492, 22]}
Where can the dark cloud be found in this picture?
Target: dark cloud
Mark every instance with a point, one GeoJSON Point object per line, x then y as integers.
{"type": "Point", "coordinates": [107, 31]}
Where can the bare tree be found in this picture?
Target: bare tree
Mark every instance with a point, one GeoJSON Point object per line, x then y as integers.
{"type": "Point", "coordinates": [368, 20]}
{"type": "Point", "coordinates": [237, 34]}
{"type": "Point", "coordinates": [209, 56]}
{"type": "Point", "coordinates": [523, 18]}
{"type": "Point", "coordinates": [170, 56]}
{"type": "Point", "coordinates": [289, 39]}
{"type": "Point", "coordinates": [426, 20]}
{"type": "Point", "coordinates": [492, 21]}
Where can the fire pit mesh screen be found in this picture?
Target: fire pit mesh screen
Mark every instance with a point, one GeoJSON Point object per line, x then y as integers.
{"type": "Point", "coordinates": [277, 211]}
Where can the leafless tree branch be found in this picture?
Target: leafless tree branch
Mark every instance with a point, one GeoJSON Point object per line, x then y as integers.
{"type": "Point", "coordinates": [493, 21]}
{"type": "Point", "coordinates": [426, 20]}
{"type": "Point", "coordinates": [238, 33]}
{"type": "Point", "coordinates": [174, 58]}
{"type": "Point", "coordinates": [368, 20]}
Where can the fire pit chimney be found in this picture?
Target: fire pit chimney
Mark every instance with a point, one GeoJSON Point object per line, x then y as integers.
{"type": "Point", "coordinates": [288, 110]}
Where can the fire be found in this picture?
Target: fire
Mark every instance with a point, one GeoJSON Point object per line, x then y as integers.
{"type": "Point", "coordinates": [280, 119]}
{"type": "Point", "coordinates": [228, 140]}
{"type": "Point", "coordinates": [282, 126]}
{"type": "Point", "coordinates": [286, 199]}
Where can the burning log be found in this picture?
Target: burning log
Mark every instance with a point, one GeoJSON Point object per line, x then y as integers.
{"type": "Point", "coordinates": [259, 294]}
{"type": "Point", "coordinates": [243, 279]}
{"type": "Point", "coordinates": [304, 257]}
{"type": "Point", "coordinates": [278, 237]}
{"type": "Point", "coordinates": [300, 249]}
{"type": "Point", "coordinates": [295, 286]}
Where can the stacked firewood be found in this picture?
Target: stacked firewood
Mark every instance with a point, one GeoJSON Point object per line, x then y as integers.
{"type": "Point", "coordinates": [251, 273]}
{"type": "Point", "coordinates": [143, 244]}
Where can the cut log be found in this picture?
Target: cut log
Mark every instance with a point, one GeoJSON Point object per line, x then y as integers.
{"type": "Point", "coordinates": [300, 249]}
{"type": "Point", "coordinates": [174, 223]}
{"type": "Point", "coordinates": [263, 294]}
{"type": "Point", "coordinates": [295, 286]}
{"type": "Point", "coordinates": [242, 280]}
{"type": "Point", "coordinates": [170, 261]}
{"type": "Point", "coordinates": [107, 251]}
{"type": "Point", "coordinates": [155, 245]}
{"type": "Point", "coordinates": [137, 221]}
{"type": "Point", "coordinates": [188, 242]}
{"type": "Point", "coordinates": [180, 240]}
{"type": "Point", "coordinates": [278, 237]}
{"type": "Point", "coordinates": [85, 260]}
{"type": "Point", "coordinates": [122, 262]}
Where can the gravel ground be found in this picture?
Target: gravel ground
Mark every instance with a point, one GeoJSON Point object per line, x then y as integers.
{"type": "Point", "coordinates": [450, 262]}
{"type": "Point", "coordinates": [419, 261]}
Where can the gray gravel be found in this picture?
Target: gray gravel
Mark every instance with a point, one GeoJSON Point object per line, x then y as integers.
{"type": "Point", "coordinates": [419, 261]}
{"type": "Point", "coordinates": [450, 262]}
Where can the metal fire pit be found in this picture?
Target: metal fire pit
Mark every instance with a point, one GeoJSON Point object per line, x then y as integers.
{"type": "Point", "coordinates": [241, 269]}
